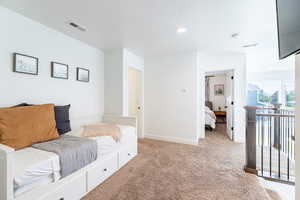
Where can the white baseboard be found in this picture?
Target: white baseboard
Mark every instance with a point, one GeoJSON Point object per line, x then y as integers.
{"type": "Point", "coordinates": [170, 139]}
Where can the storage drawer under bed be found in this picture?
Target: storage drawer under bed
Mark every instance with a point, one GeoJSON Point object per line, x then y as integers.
{"type": "Point", "coordinates": [127, 153]}
{"type": "Point", "coordinates": [74, 189]}
{"type": "Point", "coordinates": [101, 172]}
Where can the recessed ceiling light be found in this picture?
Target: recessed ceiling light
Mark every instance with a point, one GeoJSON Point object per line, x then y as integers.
{"type": "Point", "coordinates": [181, 30]}
{"type": "Point", "coordinates": [235, 35]}
{"type": "Point", "coordinates": [250, 45]}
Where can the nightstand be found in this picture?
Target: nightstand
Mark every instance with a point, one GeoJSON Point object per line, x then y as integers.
{"type": "Point", "coordinates": [220, 115]}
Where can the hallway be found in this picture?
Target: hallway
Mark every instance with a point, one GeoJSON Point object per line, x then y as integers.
{"type": "Point", "coordinates": [213, 170]}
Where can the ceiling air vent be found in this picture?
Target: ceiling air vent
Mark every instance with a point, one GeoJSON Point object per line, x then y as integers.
{"type": "Point", "coordinates": [250, 45]}
{"type": "Point", "coordinates": [74, 25]}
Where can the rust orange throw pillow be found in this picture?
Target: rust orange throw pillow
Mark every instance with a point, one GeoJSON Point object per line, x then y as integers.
{"type": "Point", "coordinates": [21, 127]}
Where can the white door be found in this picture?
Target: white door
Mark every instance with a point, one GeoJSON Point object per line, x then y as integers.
{"type": "Point", "coordinates": [135, 97]}
{"type": "Point", "coordinates": [230, 104]}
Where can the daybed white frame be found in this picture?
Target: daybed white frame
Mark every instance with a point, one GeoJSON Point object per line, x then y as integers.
{"type": "Point", "coordinates": [76, 185]}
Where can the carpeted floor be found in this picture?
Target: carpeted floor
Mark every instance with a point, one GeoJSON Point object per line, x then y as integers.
{"type": "Point", "coordinates": [168, 171]}
{"type": "Point", "coordinates": [273, 195]}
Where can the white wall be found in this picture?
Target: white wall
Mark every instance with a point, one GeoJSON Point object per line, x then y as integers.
{"type": "Point", "coordinates": [236, 62]}
{"type": "Point", "coordinates": [218, 101]}
{"type": "Point", "coordinates": [116, 64]}
{"type": "Point", "coordinates": [22, 35]}
{"type": "Point", "coordinates": [174, 98]}
{"type": "Point", "coordinates": [113, 79]}
{"type": "Point", "coordinates": [171, 98]}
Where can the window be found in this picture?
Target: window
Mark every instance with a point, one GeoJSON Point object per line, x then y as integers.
{"type": "Point", "coordinates": [267, 93]}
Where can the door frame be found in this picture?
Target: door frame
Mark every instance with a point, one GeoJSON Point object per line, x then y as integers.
{"type": "Point", "coordinates": [232, 132]}
{"type": "Point", "coordinates": [126, 102]}
{"type": "Point", "coordinates": [231, 135]}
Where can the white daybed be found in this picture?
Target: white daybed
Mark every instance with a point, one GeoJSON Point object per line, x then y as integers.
{"type": "Point", "coordinates": [32, 174]}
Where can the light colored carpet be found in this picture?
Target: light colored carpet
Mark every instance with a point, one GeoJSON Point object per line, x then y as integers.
{"type": "Point", "coordinates": [168, 171]}
{"type": "Point", "coordinates": [273, 195]}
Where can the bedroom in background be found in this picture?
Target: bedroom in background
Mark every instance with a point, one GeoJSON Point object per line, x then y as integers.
{"type": "Point", "coordinates": [219, 103]}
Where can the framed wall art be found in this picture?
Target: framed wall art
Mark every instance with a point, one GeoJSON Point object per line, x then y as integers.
{"type": "Point", "coordinates": [59, 70]}
{"type": "Point", "coordinates": [83, 74]}
{"type": "Point", "coordinates": [25, 64]}
{"type": "Point", "coordinates": [219, 90]}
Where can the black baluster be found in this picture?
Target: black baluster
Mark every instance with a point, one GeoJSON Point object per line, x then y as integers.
{"type": "Point", "coordinates": [288, 158]}
{"type": "Point", "coordinates": [262, 145]}
{"type": "Point", "coordinates": [279, 149]}
{"type": "Point", "coordinates": [270, 143]}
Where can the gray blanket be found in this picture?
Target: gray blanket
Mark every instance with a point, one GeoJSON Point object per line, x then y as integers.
{"type": "Point", "coordinates": [74, 152]}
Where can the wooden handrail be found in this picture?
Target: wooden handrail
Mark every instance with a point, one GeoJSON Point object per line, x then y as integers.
{"type": "Point", "coordinates": [273, 115]}
{"type": "Point", "coordinates": [258, 108]}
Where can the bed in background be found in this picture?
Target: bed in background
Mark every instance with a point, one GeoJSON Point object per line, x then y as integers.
{"type": "Point", "coordinates": [210, 117]}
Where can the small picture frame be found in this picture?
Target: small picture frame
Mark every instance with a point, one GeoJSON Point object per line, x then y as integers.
{"type": "Point", "coordinates": [59, 70]}
{"type": "Point", "coordinates": [219, 90]}
{"type": "Point", "coordinates": [25, 64]}
{"type": "Point", "coordinates": [83, 75]}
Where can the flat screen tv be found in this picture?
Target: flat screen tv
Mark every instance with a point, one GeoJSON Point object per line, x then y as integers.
{"type": "Point", "coordinates": [288, 24]}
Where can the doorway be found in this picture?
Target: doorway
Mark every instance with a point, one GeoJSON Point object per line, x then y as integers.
{"type": "Point", "coordinates": [135, 98]}
{"type": "Point", "coordinates": [219, 101]}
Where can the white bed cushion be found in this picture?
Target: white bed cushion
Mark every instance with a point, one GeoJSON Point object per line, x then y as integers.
{"type": "Point", "coordinates": [106, 144]}
{"type": "Point", "coordinates": [128, 133]}
{"type": "Point", "coordinates": [40, 182]}
{"type": "Point", "coordinates": [33, 165]}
